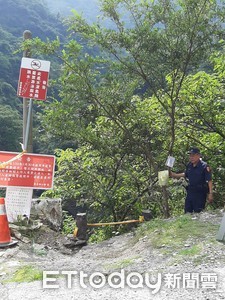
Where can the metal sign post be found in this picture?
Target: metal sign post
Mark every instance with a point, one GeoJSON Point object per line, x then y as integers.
{"type": "Point", "coordinates": [27, 132]}
{"type": "Point", "coordinates": [27, 53]}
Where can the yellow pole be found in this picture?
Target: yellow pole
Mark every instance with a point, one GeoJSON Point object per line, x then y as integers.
{"type": "Point", "coordinates": [141, 219]}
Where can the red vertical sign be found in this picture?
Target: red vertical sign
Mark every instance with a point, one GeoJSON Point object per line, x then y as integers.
{"type": "Point", "coordinates": [33, 80]}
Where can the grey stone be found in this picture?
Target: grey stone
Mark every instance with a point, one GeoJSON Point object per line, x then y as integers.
{"type": "Point", "coordinates": [48, 210]}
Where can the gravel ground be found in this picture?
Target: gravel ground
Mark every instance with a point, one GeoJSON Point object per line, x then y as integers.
{"type": "Point", "coordinates": [115, 269]}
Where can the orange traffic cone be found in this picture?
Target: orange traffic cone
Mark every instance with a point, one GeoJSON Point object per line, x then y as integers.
{"type": "Point", "coordinates": [5, 238]}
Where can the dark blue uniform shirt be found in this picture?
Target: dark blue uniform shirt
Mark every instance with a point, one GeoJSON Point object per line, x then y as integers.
{"type": "Point", "coordinates": [197, 189]}
{"type": "Point", "coordinates": [199, 175]}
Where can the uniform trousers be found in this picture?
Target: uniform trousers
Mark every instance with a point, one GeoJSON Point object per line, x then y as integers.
{"type": "Point", "coordinates": [195, 201]}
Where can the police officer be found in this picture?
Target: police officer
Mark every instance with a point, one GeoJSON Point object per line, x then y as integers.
{"type": "Point", "coordinates": [199, 179]}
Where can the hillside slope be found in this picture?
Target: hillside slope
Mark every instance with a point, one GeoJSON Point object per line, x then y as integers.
{"type": "Point", "coordinates": [89, 8]}
{"type": "Point", "coordinates": [181, 254]}
{"type": "Point", "coordinates": [17, 16]}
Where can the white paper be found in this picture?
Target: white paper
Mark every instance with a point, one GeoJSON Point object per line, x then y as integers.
{"type": "Point", "coordinates": [18, 202]}
{"type": "Point", "coordinates": [170, 161]}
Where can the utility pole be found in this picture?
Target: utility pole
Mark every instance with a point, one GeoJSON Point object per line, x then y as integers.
{"type": "Point", "coordinates": [27, 136]}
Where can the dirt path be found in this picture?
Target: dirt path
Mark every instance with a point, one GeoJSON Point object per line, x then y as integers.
{"type": "Point", "coordinates": [115, 269]}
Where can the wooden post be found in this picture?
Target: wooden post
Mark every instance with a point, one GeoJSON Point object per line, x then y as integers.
{"type": "Point", "coordinates": [147, 215]}
{"type": "Point", "coordinates": [81, 222]}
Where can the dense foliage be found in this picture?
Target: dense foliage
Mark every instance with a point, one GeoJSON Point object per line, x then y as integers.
{"type": "Point", "coordinates": [148, 85]}
{"type": "Point", "coordinates": [16, 17]}
{"type": "Point", "coordinates": [154, 88]}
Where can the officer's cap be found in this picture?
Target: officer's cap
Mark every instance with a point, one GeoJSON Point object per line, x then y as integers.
{"type": "Point", "coordinates": [194, 151]}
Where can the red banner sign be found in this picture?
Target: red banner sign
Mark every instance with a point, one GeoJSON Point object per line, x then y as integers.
{"type": "Point", "coordinates": [33, 78]}
{"type": "Point", "coordinates": [30, 170]}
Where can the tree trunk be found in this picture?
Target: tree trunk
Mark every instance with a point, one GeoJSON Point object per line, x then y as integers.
{"type": "Point", "coordinates": [165, 202]}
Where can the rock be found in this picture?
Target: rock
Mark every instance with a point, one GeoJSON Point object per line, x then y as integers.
{"type": "Point", "coordinates": [15, 232]}
{"type": "Point", "coordinates": [49, 211]}
{"type": "Point", "coordinates": [38, 249]}
{"type": "Point", "coordinates": [15, 228]}
{"type": "Point", "coordinates": [2, 253]}
{"type": "Point", "coordinates": [10, 252]}
{"type": "Point", "coordinates": [75, 243]}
